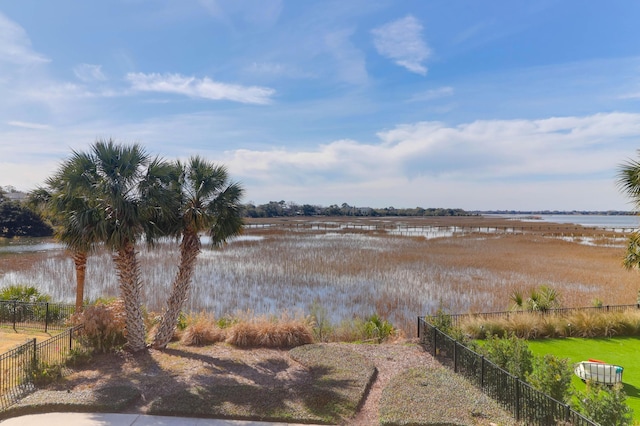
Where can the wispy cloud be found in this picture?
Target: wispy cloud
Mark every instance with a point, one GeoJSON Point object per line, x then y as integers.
{"type": "Point", "coordinates": [89, 72]}
{"type": "Point", "coordinates": [401, 41]}
{"type": "Point", "coordinates": [350, 61]}
{"type": "Point", "coordinates": [430, 95]}
{"type": "Point", "coordinates": [27, 125]}
{"type": "Point", "coordinates": [15, 45]}
{"type": "Point", "coordinates": [199, 88]}
{"type": "Point", "coordinates": [277, 69]}
{"type": "Point", "coordinates": [255, 12]}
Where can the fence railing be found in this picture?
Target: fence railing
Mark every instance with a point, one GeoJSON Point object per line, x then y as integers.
{"type": "Point", "coordinates": [525, 403]}
{"type": "Point", "coordinates": [17, 366]}
{"type": "Point", "coordinates": [39, 315]}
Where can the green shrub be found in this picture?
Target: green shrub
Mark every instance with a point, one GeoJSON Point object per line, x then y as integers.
{"type": "Point", "coordinates": [441, 320]}
{"type": "Point", "coordinates": [605, 405]}
{"type": "Point", "coordinates": [552, 375]}
{"type": "Point", "coordinates": [23, 293]}
{"type": "Point", "coordinates": [510, 353]}
{"type": "Point", "coordinates": [42, 373]}
{"type": "Point", "coordinates": [377, 329]}
{"type": "Point", "coordinates": [78, 356]}
{"type": "Point", "coordinates": [540, 300]}
{"type": "Point", "coordinates": [183, 321]}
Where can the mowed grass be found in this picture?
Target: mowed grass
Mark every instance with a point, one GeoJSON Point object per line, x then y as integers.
{"type": "Point", "coordinates": [621, 351]}
{"type": "Point", "coordinates": [10, 339]}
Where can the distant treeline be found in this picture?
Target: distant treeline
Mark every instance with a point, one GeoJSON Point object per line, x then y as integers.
{"type": "Point", "coordinates": [560, 212]}
{"type": "Point", "coordinates": [285, 209]}
{"type": "Point", "coordinates": [17, 220]}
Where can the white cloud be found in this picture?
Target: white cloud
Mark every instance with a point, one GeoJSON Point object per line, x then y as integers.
{"type": "Point", "coordinates": [350, 61]}
{"type": "Point", "coordinates": [433, 94]}
{"type": "Point", "coordinates": [401, 41]}
{"type": "Point", "coordinates": [276, 69]}
{"type": "Point", "coordinates": [551, 163]}
{"type": "Point", "coordinates": [27, 125]}
{"type": "Point", "coordinates": [88, 72]}
{"type": "Point", "coordinates": [255, 12]}
{"type": "Point", "coordinates": [15, 45]}
{"type": "Point", "coordinates": [497, 158]}
{"type": "Point", "coordinates": [199, 88]}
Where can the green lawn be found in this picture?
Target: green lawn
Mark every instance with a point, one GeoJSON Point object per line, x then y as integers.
{"type": "Point", "coordinates": [623, 351]}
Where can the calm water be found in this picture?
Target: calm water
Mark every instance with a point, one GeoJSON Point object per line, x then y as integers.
{"type": "Point", "coordinates": [594, 221]}
{"type": "Point", "coordinates": [23, 245]}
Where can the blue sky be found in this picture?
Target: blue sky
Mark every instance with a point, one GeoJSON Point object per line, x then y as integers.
{"type": "Point", "coordinates": [462, 104]}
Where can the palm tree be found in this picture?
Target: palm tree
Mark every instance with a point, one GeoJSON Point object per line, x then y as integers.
{"type": "Point", "coordinates": [209, 203]}
{"type": "Point", "coordinates": [629, 183]}
{"type": "Point", "coordinates": [122, 195]}
{"type": "Point", "coordinates": [58, 203]}
{"type": "Point", "coordinates": [540, 300]}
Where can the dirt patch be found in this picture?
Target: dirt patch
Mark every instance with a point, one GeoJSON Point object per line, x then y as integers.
{"type": "Point", "coordinates": [10, 339]}
{"type": "Point", "coordinates": [334, 383]}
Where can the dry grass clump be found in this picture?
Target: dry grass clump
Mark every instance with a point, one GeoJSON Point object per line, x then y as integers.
{"type": "Point", "coordinates": [530, 325]}
{"type": "Point", "coordinates": [247, 331]}
{"type": "Point", "coordinates": [104, 325]}
{"type": "Point", "coordinates": [201, 330]}
{"type": "Point", "coordinates": [284, 332]}
{"type": "Point", "coordinates": [586, 324]}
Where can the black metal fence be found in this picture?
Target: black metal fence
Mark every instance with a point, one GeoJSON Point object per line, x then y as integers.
{"type": "Point", "coordinates": [39, 316]}
{"type": "Point", "coordinates": [19, 365]}
{"type": "Point", "coordinates": [525, 403]}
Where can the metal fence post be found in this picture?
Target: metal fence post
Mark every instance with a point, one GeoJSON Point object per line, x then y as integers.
{"type": "Point", "coordinates": [482, 372]}
{"type": "Point", "coordinates": [435, 340]}
{"type": "Point", "coordinates": [35, 353]}
{"type": "Point", "coordinates": [455, 356]}
{"type": "Point", "coordinates": [517, 399]}
{"type": "Point", "coordinates": [46, 317]}
{"type": "Point", "coordinates": [15, 308]}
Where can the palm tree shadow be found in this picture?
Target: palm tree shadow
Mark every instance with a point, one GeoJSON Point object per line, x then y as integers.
{"type": "Point", "coordinates": [272, 388]}
{"type": "Point", "coordinates": [265, 389]}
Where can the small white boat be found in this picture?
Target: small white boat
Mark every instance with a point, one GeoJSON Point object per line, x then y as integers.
{"type": "Point", "coordinates": [599, 372]}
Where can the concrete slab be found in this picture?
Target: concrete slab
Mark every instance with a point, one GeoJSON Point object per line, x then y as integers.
{"type": "Point", "coordinates": [102, 419]}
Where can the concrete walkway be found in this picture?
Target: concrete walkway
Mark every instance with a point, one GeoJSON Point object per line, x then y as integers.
{"type": "Point", "coordinates": [90, 419]}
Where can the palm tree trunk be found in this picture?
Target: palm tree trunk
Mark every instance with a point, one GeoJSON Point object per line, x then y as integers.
{"type": "Point", "coordinates": [189, 250]}
{"type": "Point", "coordinates": [80, 261]}
{"type": "Point", "coordinates": [130, 286]}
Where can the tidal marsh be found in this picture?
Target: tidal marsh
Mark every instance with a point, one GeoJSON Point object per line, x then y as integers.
{"type": "Point", "coordinates": [357, 268]}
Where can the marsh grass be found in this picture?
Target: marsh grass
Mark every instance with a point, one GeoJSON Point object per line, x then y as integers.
{"type": "Point", "coordinates": [532, 325]}
{"type": "Point", "coordinates": [355, 272]}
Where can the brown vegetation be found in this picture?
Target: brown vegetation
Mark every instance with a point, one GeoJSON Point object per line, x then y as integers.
{"type": "Point", "coordinates": [361, 266]}
{"type": "Point", "coordinates": [533, 325]}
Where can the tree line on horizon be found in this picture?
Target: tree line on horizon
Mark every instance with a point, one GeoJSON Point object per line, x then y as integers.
{"type": "Point", "coordinates": [289, 209]}
{"type": "Point", "coordinates": [20, 217]}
